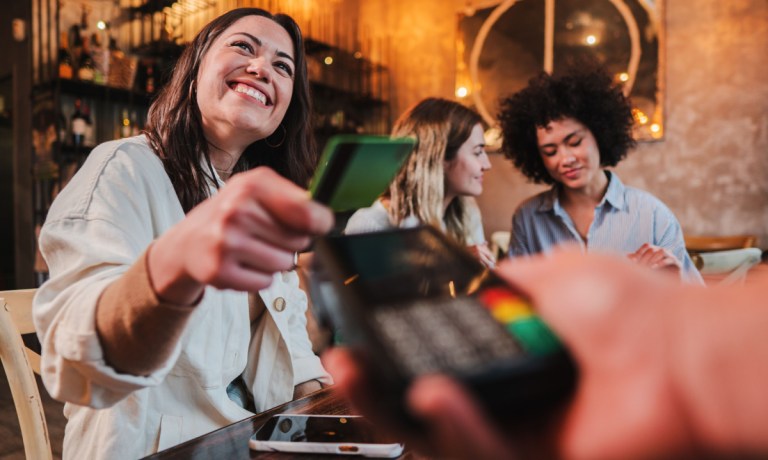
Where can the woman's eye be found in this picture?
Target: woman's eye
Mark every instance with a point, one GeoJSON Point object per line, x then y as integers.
{"type": "Point", "coordinates": [243, 45]}
{"type": "Point", "coordinates": [285, 68]}
{"type": "Point", "coordinates": [576, 143]}
{"type": "Point", "coordinates": [548, 153]}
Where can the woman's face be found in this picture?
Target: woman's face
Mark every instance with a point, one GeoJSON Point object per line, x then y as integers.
{"type": "Point", "coordinates": [464, 173]}
{"type": "Point", "coordinates": [570, 154]}
{"type": "Point", "coordinates": [245, 82]}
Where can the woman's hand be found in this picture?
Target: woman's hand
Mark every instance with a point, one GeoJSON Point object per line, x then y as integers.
{"type": "Point", "coordinates": [656, 257]}
{"type": "Point", "coordinates": [238, 238]}
{"type": "Point", "coordinates": [484, 254]}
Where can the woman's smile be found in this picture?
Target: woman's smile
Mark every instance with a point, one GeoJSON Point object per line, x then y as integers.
{"type": "Point", "coordinates": [251, 92]}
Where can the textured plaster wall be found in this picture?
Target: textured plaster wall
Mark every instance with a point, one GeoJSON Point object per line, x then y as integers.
{"type": "Point", "coordinates": [711, 168]}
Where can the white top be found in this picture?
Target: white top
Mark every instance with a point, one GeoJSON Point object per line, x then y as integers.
{"type": "Point", "coordinates": [376, 218]}
{"type": "Point", "coordinates": [98, 226]}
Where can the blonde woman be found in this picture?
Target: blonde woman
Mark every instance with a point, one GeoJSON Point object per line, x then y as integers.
{"type": "Point", "coordinates": [437, 184]}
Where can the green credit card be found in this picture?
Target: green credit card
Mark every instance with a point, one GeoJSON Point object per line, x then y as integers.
{"type": "Point", "coordinates": [354, 170]}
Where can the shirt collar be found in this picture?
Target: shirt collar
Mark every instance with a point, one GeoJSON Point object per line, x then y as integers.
{"type": "Point", "coordinates": [614, 195]}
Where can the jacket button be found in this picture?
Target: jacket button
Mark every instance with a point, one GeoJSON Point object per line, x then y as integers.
{"type": "Point", "coordinates": [279, 304]}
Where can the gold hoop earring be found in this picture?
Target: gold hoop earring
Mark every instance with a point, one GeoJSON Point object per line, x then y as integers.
{"type": "Point", "coordinates": [274, 146]}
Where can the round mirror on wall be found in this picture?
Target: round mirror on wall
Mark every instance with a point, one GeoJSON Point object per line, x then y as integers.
{"type": "Point", "coordinates": [503, 44]}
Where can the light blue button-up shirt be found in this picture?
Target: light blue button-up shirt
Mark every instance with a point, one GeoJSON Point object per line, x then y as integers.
{"type": "Point", "coordinates": [625, 219]}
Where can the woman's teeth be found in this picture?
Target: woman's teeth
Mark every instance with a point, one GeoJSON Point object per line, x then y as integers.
{"type": "Point", "coordinates": [254, 93]}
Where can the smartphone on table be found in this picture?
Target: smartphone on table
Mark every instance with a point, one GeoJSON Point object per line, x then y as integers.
{"type": "Point", "coordinates": [355, 169]}
{"type": "Point", "coordinates": [327, 434]}
{"type": "Point", "coordinates": [409, 302]}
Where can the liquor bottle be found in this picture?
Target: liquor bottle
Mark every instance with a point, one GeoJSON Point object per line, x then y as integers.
{"type": "Point", "coordinates": [84, 16]}
{"type": "Point", "coordinates": [149, 86]}
{"type": "Point", "coordinates": [135, 126]}
{"type": "Point", "coordinates": [85, 68]}
{"type": "Point", "coordinates": [63, 128]}
{"type": "Point", "coordinates": [78, 125]}
{"type": "Point", "coordinates": [75, 47]}
{"type": "Point", "coordinates": [65, 60]}
{"type": "Point", "coordinates": [125, 126]}
{"type": "Point", "coordinates": [89, 138]}
{"type": "Point", "coordinates": [100, 56]}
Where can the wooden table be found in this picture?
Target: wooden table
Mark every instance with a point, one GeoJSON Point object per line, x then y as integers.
{"type": "Point", "coordinates": [231, 442]}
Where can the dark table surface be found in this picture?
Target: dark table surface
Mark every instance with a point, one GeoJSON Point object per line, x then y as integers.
{"type": "Point", "coordinates": [231, 442]}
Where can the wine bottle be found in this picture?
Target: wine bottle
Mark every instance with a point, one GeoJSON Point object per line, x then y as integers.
{"type": "Point", "coordinates": [65, 60]}
{"type": "Point", "coordinates": [85, 68]}
{"type": "Point", "coordinates": [63, 128]}
{"type": "Point", "coordinates": [78, 125]}
{"type": "Point", "coordinates": [75, 47]}
{"type": "Point", "coordinates": [125, 126]}
{"type": "Point", "coordinates": [150, 82]}
{"type": "Point", "coordinates": [100, 56]}
{"type": "Point", "coordinates": [135, 126]}
{"type": "Point", "coordinates": [89, 137]}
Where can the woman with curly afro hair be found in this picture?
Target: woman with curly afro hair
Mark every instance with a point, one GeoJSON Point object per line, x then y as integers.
{"type": "Point", "coordinates": [565, 131]}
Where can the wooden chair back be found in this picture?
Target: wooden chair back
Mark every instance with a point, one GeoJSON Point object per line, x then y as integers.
{"type": "Point", "coordinates": [20, 363]}
{"type": "Point", "coordinates": [719, 243]}
{"type": "Point", "coordinates": [727, 267]}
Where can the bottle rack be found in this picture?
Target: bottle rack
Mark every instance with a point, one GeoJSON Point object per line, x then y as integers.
{"type": "Point", "coordinates": [117, 91]}
{"type": "Point", "coordinates": [350, 92]}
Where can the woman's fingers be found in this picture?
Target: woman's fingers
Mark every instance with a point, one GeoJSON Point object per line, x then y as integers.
{"type": "Point", "coordinates": [287, 204]}
{"type": "Point", "coordinates": [238, 238]}
{"type": "Point", "coordinates": [484, 254]}
{"type": "Point", "coordinates": [655, 257]}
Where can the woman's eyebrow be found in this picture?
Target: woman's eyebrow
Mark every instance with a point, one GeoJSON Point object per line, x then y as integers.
{"type": "Point", "coordinates": [565, 139]}
{"type": "Point", "coordinates": [258, 41]}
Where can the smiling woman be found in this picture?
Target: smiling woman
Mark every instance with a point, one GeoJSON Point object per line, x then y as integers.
{"type": "Point", "coordinates": [172, 309]}
{"type": "Point", "coordinates": [565, 130]}
{"type": "Point", "coordinates": [244, 87]}
{"type": "Point", "coordinates": [438, 182]}
{"type": "Point", "coordinates": [263, 52]}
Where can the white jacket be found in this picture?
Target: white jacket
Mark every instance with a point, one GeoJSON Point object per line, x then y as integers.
{"type": "Point", "coordinates": [114, 207]}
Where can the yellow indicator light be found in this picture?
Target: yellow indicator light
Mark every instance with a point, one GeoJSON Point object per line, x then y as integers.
{"type": "Point", "coordinates": [510, 310]}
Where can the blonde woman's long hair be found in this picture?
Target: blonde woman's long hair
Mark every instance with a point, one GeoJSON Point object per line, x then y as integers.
{"type": "Point", "coordinates": [440, 127]}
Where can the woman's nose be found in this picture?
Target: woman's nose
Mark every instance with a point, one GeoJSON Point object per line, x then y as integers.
{"type": "Point", "coordinates": [486, 162]}
{"type": "Point", "coordinates": [568, 156]}
{"type": "Point", "coordinates": [258, 67]}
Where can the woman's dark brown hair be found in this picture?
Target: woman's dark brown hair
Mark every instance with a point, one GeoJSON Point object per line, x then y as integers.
{"type": "Point", "coordinates": [174, 125]}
